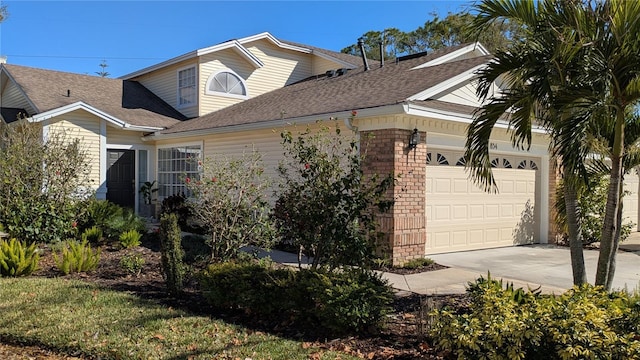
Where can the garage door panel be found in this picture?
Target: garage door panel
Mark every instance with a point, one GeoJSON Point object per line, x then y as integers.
{"type": "Point", "coordinates": [474, 219]}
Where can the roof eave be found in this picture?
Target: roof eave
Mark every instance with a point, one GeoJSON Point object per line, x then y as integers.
{"type": "Point", "coordinates": [452, 55]}
{"type": "Point", "coordinates": [447, 84]}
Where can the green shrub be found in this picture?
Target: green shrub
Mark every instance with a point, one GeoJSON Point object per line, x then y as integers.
{"type": "Point", "coordinates": [351, 301]}
{"type": "Point", "coordinates": [177, 204]}
{"type": "Point", "coordinates": [92, 235]}
{"type": "Point", "coordinates": [129, 239]}
{"type": "Point", "coordinates": [111, 219]}
{"type": "Point", "coordinates": [77, 257]}
{"type": "Point", "coordinates": [17, 259]}
{"type": "Point", "coordinates": [172, 253]}
{"type": "Point", "coordinates": [418, 263]}
{"type": "Point", "coordinates": [132, 264]}
{"type": "Point", "coordinates": [126, 221]}
{"type": "Point", "coordinates": [508, 323]}
{"type": "Point", "coordinates": [326, 205]}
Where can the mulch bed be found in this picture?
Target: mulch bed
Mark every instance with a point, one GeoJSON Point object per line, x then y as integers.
{"type": "Point", "coordinates": [403, 337]}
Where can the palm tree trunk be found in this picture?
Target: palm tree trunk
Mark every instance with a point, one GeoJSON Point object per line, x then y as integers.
{"type": "Point", "coordinates": [608, 244]}
{"type": "Point", "coordinates": [575, 232]}
{"type": "Point", "coordinates": [616, 238]}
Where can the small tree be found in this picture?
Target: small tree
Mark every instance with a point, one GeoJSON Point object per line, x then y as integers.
{"type": "Point", "coordinates": [42, 183]}
{"type": "Point", "coordinates": [325, 204]}
{"type": "Point", "coordinates": [172, 253]}
{"type": "Point", "coordinates": [229, 201]}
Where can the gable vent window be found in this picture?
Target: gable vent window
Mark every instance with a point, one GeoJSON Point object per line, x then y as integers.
{"type": "Point", "coordinates": [226, 83]}
{"type": "Point", "coordinates": [187, 87]}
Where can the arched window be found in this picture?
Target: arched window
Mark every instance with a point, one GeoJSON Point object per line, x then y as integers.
{"type": "Point", "coordinates": [226, 82]}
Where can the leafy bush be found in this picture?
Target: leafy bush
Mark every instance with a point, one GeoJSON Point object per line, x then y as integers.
{"type": "Point", "coordinates": [336, 302]}
{"type": "Point", "coordinates": [42, 183]}
{"type": "Point", "coordinates": [592, 200]}
{"type": "Point", "coordinates": [229, 201]}
{"type": "Point", "coordinates": [508, 323]}
{"type": "Point", "coordinates": [418, 263]}
{"type": "Point", "coordinates": [92, 235]}
{"type": "Point", "coordinates": [17, 259]}
{"type": "Point", "coordinates": [325, 204]}
{"type": "Point", "coordinates": [126, 221]}
{"type": "Point", "coordinates": [129, 239]}
{"type": "Point", "coordinates": [132, 263]}
{"type": "Point", "coordinates": [172, 254]}
{"type": "Point", "coordinates": [77, 257]}
{"type": "Point", "coordinates": [111, 219]}
{"type": "Point", "coordinates": [177, 204]}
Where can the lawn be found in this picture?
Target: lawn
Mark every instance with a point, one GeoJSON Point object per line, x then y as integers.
{"type": "Point", "coordinates": [80, 317]}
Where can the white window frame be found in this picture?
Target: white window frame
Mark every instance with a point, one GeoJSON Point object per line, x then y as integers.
{"type": "Point", "coordinates": [175, 174]}
{"type": "Point", "coordinates": [219, 93]}
{"type": "Point", "coordinates": [195, 87]}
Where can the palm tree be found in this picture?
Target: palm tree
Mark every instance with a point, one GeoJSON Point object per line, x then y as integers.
{"type": "Point", "coordinates": [537, 79]}
{"type": "Point", "coordinates": [576, 64]}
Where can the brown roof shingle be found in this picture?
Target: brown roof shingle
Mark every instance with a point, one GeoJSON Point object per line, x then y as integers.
{"type": "Point", "coordinates": [126, 100]}
{"type": "Point", "coordinates": [358, 89]}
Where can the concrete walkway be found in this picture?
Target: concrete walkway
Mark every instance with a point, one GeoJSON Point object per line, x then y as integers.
{"type": "Point", "coordinates": [533, 266]}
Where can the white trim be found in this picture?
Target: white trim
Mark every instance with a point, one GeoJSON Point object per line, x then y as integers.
{"type": "Point", "coordinates": [237, 47]}
{"type": "Point", "coordinates": [101, 192]}
{"type": "Point", "coordinates": [181, 144]}
{"type": "Point", "coordinates": [236, 44]}
{"type": "Point", "coordinates": [195, 84]}
{"type": "Point", "coordinates": [218, 93]}
{"type": "Point", "coordinates": [112, 120]}
{"type": "Point", "coordinates": [447, 84]}
{"type": "Point", "coordinates": [475, 47]}
{"type": "Point", "coordinates": [15, 83]}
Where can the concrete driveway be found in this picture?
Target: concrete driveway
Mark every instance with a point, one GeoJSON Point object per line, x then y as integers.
{"type": "Point", "coordinates": [546, 265]}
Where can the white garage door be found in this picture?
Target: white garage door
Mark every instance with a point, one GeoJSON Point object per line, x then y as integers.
{"type": "Point", "coordinates": [630, 199]}
{"type": "Point", "coordinates": [461, 216]}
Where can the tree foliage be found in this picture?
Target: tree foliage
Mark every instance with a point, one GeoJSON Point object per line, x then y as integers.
{"type": "Point", "coordinates": [326, 205]}
{"type": "Point", "coordinates": [436, 33]}
{"type": "Point", "coordinates": [42, 183]}
{"type": "Point", "coordinates": [229, 200]}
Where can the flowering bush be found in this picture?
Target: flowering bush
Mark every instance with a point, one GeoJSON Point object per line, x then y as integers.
{"type": "Point", "coordinates": [326, 205]}
{"type": "Point", "coordinates": [229, 201]}
{"type": "Point", "coordinates": [42, 183]}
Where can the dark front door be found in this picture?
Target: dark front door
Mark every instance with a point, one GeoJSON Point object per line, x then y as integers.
{"type": "Point", "coordinates": [121, 177]}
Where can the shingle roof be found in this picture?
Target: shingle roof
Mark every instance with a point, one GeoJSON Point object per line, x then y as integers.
{"type": "Point", "coordinates": [348, 58]}
{"type": "Point", "coordinates": [358, 89]}
{"type": "Point", "coordinates": [126, 100]}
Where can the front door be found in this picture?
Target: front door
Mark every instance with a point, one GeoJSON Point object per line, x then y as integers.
{"type": "Point", "coordinates": [121, 177]}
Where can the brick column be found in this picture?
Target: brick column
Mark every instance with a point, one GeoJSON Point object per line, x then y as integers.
{"type": "Point", "coordinates": [404, 225]}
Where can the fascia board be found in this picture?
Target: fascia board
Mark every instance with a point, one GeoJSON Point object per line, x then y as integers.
{"type": "Point", "coordinates": [310, 119]}
{"type": "Point", "coordinates": [175, 60]}
{"type": "Point", "coordinates": [275, 41]}
{"type": "Point", "coordinates": [448, 57]}
{"type": "Point", "coordinates": [79, 106]}
{"type": "Point", "coordinates": [425, 111]}
{"type": "Point", "coordinates": [237, 47]}
{"type": "Point", "coordinates": [447, 84]}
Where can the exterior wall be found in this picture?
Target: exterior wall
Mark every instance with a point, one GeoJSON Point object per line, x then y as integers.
{"type": "Point", "coordinates": [164, 83]}
{"type": "Point", "coordinates": [465, 95]}
{"type": "Point", "coordinates": [404, 225]}
{"type": "Point", "coordinates": [124, 137]}
{"type": "Point", "coordinates": [321, 65]}
{"type": "Point", "coordinates": [554, 180]}
{"type": "Point", "coordinates": [213, 63]}
{"type": "Point", "coordinates": [86, 127]}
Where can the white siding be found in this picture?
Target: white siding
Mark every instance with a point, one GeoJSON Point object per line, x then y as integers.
{"type": "Point", "coordinates": [123, 137]}
{"type": "Point", "coordinates": [215, 62]}
{"type": "Point", "coordinates": [465, 95]}
{"type": "Point", "coordinates": [85, 127]}
{"type": "Point", "coordinates": [321, 65]}
{"type": "Point", "coordinates": [164, 83]}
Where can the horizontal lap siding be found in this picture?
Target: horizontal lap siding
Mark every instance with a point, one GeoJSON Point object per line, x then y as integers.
{"type": "Point", "coordinates": [321, 65]}
{"type": "Point", "coordinates": [12, 97]}
{"type": "Point", "coordinates": [123, 137]}
{"type": "Point", "coordinates": [164, 83]}
{"type": "Point", "coordinates": [211, 64]}
{"type": "Point", "coordinates": [87, 129]}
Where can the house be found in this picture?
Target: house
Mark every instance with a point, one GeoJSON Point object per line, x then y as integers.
{"type": "Point", "coordinates": [221, 99]}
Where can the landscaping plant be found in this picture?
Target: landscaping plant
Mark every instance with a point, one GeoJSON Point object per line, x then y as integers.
{"type": "Point", "coordinates": [229, 201]}
{"type": "Point", "coordinates": [17, 259]}
{"type": "Point", "coordinates": [129, 239]}
{"type": "Point", "coordinates": [77, 257]}
{"type": "Point", "coordinates": [42, 183]}
{"type": "Point", "coordinates": [132, 263]}
{"type": "Point", "coordinates": [325, 204]}
{"type": "Point", "coordinates": [92, 235]}
{"type": "Point", "coordinates": [172, 254]}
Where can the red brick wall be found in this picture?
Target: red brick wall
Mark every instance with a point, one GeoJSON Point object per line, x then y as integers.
{"type": "Point", "coordinates": [404, 225]}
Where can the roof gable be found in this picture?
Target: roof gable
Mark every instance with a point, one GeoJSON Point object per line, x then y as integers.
{"type": "Point", "coordinates": [121, 101]}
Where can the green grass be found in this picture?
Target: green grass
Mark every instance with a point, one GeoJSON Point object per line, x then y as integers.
{"type": "Point", "coordinates": [75, 316]}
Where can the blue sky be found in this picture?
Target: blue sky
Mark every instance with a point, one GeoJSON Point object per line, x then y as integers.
{"type": "Point", "coordinates": [76, 36]}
